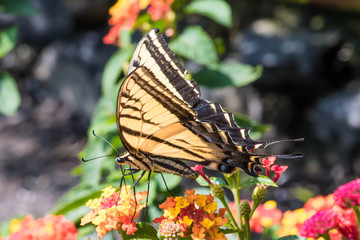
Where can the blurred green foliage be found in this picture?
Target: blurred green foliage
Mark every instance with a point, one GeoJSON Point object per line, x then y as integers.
{"type": "Point", "coordinates": [9, 93]}
{"type": "Point", "coordinates": [21, 7]}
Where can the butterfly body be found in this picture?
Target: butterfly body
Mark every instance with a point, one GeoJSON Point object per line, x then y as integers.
{"type": "Point", "coordinates": [165, 125]}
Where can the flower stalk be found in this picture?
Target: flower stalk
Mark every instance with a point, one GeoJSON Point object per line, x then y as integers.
{"type": "Point", "coordinates": [357, 213]}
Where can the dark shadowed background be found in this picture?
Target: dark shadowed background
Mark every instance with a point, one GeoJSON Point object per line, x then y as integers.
{"type": "Point", "coordinates": [309, 88]}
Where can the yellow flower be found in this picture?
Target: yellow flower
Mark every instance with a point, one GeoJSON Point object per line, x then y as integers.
{"type": "Point", "coordinates": [195, 214]}
{"type": "Point", "coordinates": [207, 223]}
{"type": "Point", "coordinates": [114, 210]}
{"type": "Point", "coordinates": [181, 202]}
{"type": "Point", "coordinates": [93, 203]}
{"type": "Point", "coordinates": [107, 192]}
{"type": "Point", "coordinates": [15, 225]}
{"type": "Point", "coordinates": [201, 201]}
{"type": "Point", "coordinates": [266, 222]}
{"type": "Point", "coordinates": [271, 204]}
{"type": "Point", "coordinates": [174, 212]}
{"type": "Point", "coordinates": [211, 207]}
{"type": "Point", "coordinates": [187, 221]}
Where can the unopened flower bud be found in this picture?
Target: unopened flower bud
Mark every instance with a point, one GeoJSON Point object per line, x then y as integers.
{"type": "Point", "coordinates": [259, 193]}
{"type": "Point", "coordinates": [245, 209]}
{"type": "Point", "coordinates": [217, 190]}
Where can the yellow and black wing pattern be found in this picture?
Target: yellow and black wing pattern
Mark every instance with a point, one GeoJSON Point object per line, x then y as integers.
{"type": "Point", "coordinates": [164, 124]}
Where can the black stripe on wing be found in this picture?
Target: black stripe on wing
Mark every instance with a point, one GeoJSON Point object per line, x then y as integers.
{"type": "Point", "coordinates": [165, 59]}
{"type": "Point", "coordinates": [221, 121]}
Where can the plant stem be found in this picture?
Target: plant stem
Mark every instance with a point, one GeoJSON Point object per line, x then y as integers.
{"type": "Point", "coordinates": [237, 195]}
{"type": "Point", "coordinates": [326, 236]}
{"type": "Point", "coordinates": [357, 213]}
{"type": "Point", "coordinates": [247, 229]}
{"type": "Point", "coordinates": [222, 199]}
{"type": "Point", "coordinates": [122, 233]}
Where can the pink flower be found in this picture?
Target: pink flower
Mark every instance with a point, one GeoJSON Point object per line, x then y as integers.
{"type": "Point", "coordinates": [199, 169]}
{"type": "Point", "coordinates": [348, 195]}
{"type": "Point", "coordinates": [319, 224]}
{"type": "Point", "coordinates": [268, 162]}
{"type": "Point", "coordinates": [278, 171]}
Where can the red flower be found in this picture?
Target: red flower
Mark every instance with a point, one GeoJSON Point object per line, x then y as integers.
{"type": "Point", "coordinates": [278, 171]}
{"type": "Point", "coordinates": [125, 12]}
{"type": "Point", "coordinates": [268, 162]}
{"type": "Point", "coordinates": [346, 223]}
{"type": "Point", "coordinates": [159, 8]}
{"type": "Point", "coordinates": [199, 169]}
{"type": "Point", "coordinates": [348, 195]}
{"type": "Point", "coordinates": [319, 224]}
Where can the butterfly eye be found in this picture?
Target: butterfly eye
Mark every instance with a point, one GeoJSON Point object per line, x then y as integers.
{"type": "Point", "coordinates": [226, 168]}
{"type": "Point", "coordinates": [120, 161]}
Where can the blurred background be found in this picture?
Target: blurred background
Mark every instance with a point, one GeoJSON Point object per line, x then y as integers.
{"type": "Point", "coordinates": [309, 88]}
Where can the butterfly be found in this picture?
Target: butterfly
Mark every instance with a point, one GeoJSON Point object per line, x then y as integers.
{"type": "Point", "coordinates": [165, 126]}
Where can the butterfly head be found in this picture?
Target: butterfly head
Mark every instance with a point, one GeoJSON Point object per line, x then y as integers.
{"type": "Point", "coordinates": [125, 158]}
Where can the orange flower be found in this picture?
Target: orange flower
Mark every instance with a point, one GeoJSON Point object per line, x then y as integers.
{"type": "Point", "coordinates": [114, 210]}
{"type": "Point", "coordinates": [50, 227]}
{"type": "Point", "coordinates": [193, 215]}
{"type": "Point", "coordinates": [159, 8]}
{"type": "Point", "coordinates": [125, 12]}
{"type": "Point", "coordinates": [265, 216]}
{"type": "Point", "coordinates": [319, 203]}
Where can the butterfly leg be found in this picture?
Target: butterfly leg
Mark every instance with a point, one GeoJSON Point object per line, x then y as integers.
{"type": "Point", "coordinates": [132, 172]}
{"type": "Point", "coordinates": [134, 190]}
{"type": "Point", "coordinates": [148, 190]}
{"type": "Point", "coordinates": [166, 185]}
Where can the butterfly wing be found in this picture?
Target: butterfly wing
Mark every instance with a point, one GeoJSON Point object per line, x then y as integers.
{"type": "Point", "coordinates": [161, 116]}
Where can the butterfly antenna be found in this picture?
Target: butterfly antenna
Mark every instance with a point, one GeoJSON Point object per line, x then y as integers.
{"type": "Point", "coordinates": [93, 132]}
{"type": "Point", "coordinates": [91, 159]}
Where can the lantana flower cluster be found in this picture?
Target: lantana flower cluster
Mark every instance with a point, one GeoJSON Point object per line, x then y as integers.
{"type": "Point", "coordinates": [48, 228]}
{"type": "Point", "coordinates": [340, 219]}
{"type": "Point", "coordinates": [192, 215]}
{"type": "Point", "coordinates": [125, 12]}
{"type": "Point", "coordinates": [333, 216]}
{"type": "Point", "coordinates": [114, 210]}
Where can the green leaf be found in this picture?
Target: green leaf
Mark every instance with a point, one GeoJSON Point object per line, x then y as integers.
{"type": "Point", "coordinates": [202, 182]}
{"type": "Point", "coordinates": [5, 228]}
{"type": "Point", "coordinates": [114, 68]}
{"type": "Point", "coordinates": [7, 40]}
{"type": "Point", "coordinates": [145, 231]}
{"type": "Point", "coordinates": [195, 44]}
{"type": "Point", "coordinates": [9, 95]}
{"type": "Point", "coordinates": [92, 169]}
{"type": "Point", "coordinates": [261, 180]}
{"type": "Point", "coordinates": [292, 237]}
{"type": "Point", "coordinates": [217, 10]}
{"type": "Point", "coordinates": [172, 181]}
{"type": "Point", "coordinates": [22, 7]}
{"type": "Point", "coordinates": [104, 119]}
{"type": "Point", "coordinates": [228, 74]}
{"type": "Point", "coordinates": [227, 231]}
{"type": "Point", "coordinates": [218, 181]}
{"type": "Point", "coordinates": [75, 198]}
